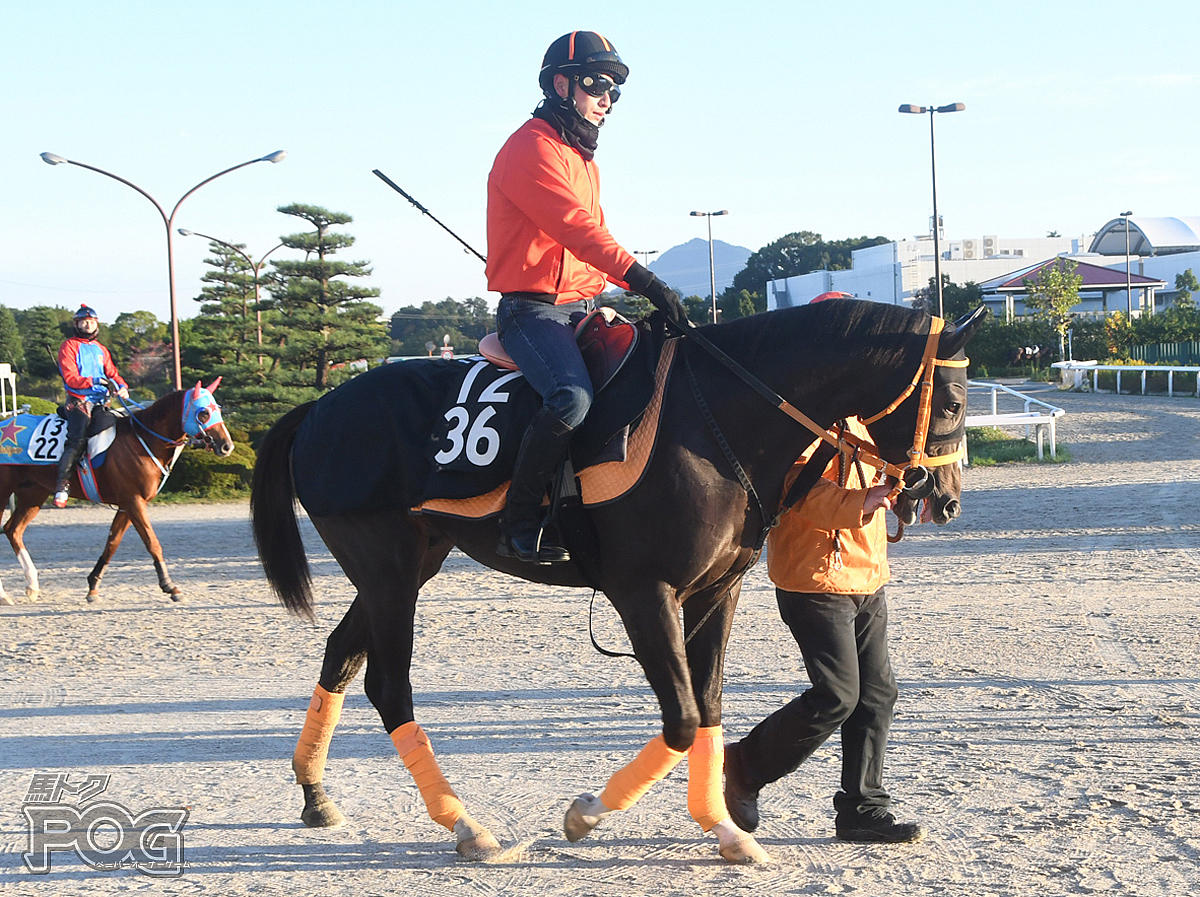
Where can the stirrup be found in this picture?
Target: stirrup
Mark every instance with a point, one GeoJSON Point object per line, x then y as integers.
{"type": "Point", "coordinates": [511, 547]}
{"type": "Point", "coordinates": [61, 497]}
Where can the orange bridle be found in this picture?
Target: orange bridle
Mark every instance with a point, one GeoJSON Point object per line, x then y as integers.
{"type": "Point", "coordinates": [917, 455]}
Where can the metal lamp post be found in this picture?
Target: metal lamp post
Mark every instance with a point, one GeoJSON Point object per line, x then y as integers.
{"type": "Point", "coordinates": [647, 253]}
{"type": "Point", "coordinates": [1128, 273]}
{"type": "Point", "coordinates": [256, 267]}
{"type": "Point", "coordinates": [712, 270]}
{"type": "Point", "coordinates": [937, 253]}
{"type": "Point", "coordinates": [168, 220]}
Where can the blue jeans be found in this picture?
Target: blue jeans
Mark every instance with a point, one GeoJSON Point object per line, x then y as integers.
{"type": "Point", "coordinates": [540, 338]}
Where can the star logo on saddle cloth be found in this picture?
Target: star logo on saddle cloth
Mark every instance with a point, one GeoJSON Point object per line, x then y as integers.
{"type": "Point", "coordinates": [9, 431]}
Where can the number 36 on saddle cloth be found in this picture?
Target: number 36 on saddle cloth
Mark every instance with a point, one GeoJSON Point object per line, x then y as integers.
{"type": "Point", "coordinates": [445, 434]}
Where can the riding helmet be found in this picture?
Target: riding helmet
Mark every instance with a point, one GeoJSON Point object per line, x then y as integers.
{"type": "Point", "coordinates": [577, 52]}
{"type": "Point", "coordinates": [86, 311]}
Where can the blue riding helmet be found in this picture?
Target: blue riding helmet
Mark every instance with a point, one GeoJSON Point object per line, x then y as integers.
{"type": "Point", "coordinates": [86, 311]}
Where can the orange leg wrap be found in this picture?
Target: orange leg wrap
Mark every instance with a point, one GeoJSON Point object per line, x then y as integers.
{"type": "Point", "coordinates": [412, 744]}
{"type": "Point", "coordinates": [324, 711]}
{"type": "Point", "coordinates": [706, 802]}
{"type": "Point", "coordinates": [629, 783]}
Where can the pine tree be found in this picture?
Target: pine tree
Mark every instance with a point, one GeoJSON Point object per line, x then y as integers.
{"type": "Point", "coordinates": [12, 347]}
{"type": "Point", "coordinates": [42, 332]}
{"type": "Point", "coordinates": [320, 319]}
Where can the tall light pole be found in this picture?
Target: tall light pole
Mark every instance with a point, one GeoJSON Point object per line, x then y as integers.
{"type": "Point", "coordinates": [712, 270]}
{"type": "Point", "coordinates": [937, 252]}
{"type": "Point", "coordinates": [168, 220]}
{"type": "Point", "coordinates": [1128, 274]}
{"type": "Point", "coordinates": [647, 253]}
{"type": "Point", "coordinates": [254, 266]}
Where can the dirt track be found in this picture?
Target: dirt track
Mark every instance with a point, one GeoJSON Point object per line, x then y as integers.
{"type": "Point", "coordinates": [1046, 646]}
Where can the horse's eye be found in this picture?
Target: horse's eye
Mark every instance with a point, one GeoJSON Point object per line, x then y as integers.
{"type": "Point", "coordinates": [203, 415]}
{"type": "Point", "coordinates": [953, 408]}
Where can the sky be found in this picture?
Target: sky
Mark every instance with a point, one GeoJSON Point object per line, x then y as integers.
{"type": "Point", "coordinates": [784, 113]}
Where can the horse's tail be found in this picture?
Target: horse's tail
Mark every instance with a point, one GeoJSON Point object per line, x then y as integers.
{"type": "Point", "coordinates": [273, 516]}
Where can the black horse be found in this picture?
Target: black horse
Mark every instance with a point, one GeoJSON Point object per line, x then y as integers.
{"type": "Point", "coordinates": [684, 535]}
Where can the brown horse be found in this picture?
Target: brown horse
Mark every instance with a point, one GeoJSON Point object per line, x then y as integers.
{"type": "Point", "coordinates": [682, 536]}
{"type": "Point", "coordinates": [136, 465]}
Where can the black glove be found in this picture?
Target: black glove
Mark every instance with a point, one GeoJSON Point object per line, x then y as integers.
{"type": "Point", "coordinates": [642, 280]}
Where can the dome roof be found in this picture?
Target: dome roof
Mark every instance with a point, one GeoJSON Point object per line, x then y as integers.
{"type": "Point", "coordinates": [1148, 236]}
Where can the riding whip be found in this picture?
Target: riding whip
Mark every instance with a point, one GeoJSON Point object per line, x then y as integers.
{"type": "Point", "coordinates": [424, 211]}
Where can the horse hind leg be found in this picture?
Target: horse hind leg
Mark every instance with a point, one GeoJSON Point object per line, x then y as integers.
{"type": "Point", "coordinates": [345, 652]}
{"type": "Point", "coordinates": [14, 528]}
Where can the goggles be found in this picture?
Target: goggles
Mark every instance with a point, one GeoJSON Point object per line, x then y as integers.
{"type": "Point", "coordinates": [595, 84]}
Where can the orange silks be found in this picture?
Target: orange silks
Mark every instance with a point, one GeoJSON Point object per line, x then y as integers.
{"type": "Point", "coordinates": [629, 783]}
{"type": "Point", "coordinates": [412, 744]}
{"type": "Point", "coordinates": [324, 711]}
{"type": "Point", "coordinates": [706, 802]}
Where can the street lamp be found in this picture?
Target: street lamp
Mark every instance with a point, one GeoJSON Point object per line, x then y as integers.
{"type": "Point", "coordinates": [937, 253]}
{"type": "Point", "coordinates": [712, 270]}
{"type": "Point", "coordinates": [254, 266]}
{"type": "Point", "coordinates": [168, 220]}
{"type": "Point", "coordinates": [1128, 276]}
{"type": "Point", "coordinates": [647, 253]}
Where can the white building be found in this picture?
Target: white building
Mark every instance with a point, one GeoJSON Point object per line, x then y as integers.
{"type": "Point", "coordinates": [893, 272]}
{"type": "Point", "coordinates": [1159, 249]}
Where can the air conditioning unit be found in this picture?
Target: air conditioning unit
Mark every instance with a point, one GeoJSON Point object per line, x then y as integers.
{"type": "Point", "coordinates": [991, 246]}
{"type": "Point", "coordinates": [970, 249]}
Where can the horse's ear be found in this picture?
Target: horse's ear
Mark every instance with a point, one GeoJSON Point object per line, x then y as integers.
{"type": "Point", "coordinates": [212, 387]}
{"type": "Point", "coordinates": [196, 391]}
{"type": "Point", "coordinates": [960, 333]}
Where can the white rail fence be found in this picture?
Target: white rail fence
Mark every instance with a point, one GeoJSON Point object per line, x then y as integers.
{"type": "Point", "coordinates": [1075, 373]}
{"type": "Point", "coordinates": [1036, 417]}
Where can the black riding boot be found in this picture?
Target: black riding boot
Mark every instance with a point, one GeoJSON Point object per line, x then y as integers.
{"type": "Point", "coordinates": [78, 419]}
{"type": "Point", "coordinates": [542, 448]}
{"type": "Point", "coordinates": [71, 453]}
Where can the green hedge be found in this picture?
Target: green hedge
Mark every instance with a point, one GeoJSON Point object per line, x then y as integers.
{"type": "Point", "coordinates": [201, 474]}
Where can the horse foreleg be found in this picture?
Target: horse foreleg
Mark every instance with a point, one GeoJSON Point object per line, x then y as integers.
{"type": "Point", "coordinates": [138, 516]}
{"type": "Point", "coordinates": [14, 528]}
{"type": "Point", "coordinates": [345, 652]}
{"type": "Point", "coordinates": [653, 628]}
{"type": "Point", "coordinates": [115, 533]}
{"type": "Point", "coordinates": [708, 629]}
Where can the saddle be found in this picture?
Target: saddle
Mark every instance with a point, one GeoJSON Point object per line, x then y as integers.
{"type": "Point", "coordinates": [606, 341]}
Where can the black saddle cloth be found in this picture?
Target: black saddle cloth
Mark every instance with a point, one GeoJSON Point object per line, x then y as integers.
{"type": "Point", "coordinates": [413, 430]}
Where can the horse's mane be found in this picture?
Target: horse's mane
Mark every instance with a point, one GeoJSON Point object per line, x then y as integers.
{"type": "Point", "coordinates": [168, 409]}
{"type": "Point", "coordinates": [821, 333]}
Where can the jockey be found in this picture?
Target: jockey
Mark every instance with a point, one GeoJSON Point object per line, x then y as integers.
{"type": "Point", "coordinates": [549, 256]}
{"type": "Point", "coordinates": [84, 363]}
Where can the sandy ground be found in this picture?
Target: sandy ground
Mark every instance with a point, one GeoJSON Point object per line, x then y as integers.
{"type": "Point", "coordinates": [1046, 646]}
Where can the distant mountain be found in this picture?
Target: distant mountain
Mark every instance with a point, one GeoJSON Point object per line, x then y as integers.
{"type": "Point", "coordinates": [685, 268]}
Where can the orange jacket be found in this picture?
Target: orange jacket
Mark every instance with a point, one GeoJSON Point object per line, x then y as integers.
{"type": "Point", "coordinates": [800, 550]}
{"type": "Point", "coordinates": [545, 228]}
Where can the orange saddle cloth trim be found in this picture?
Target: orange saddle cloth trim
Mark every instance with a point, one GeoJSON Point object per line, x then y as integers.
{"type": "Point", "coordinates": [599, 483]}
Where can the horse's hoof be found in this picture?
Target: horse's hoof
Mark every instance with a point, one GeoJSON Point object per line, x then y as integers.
{"type": "Point", "coordinates": [738, 846]}
{"type": "Point", "coordinates": [322, 813]}
{"type": "Point", "coordinates": [5, 601]}
{"type": "Point", "coordinates": [475, 842]}
{"type": "Point", "coordinates": [33, 594]}
{"type": "Point", "coordinates": [93, 596]}
{"type": "Point", "coordinates": [745, 852]}
{"type": "Point", "coordinates": [583, 815]}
